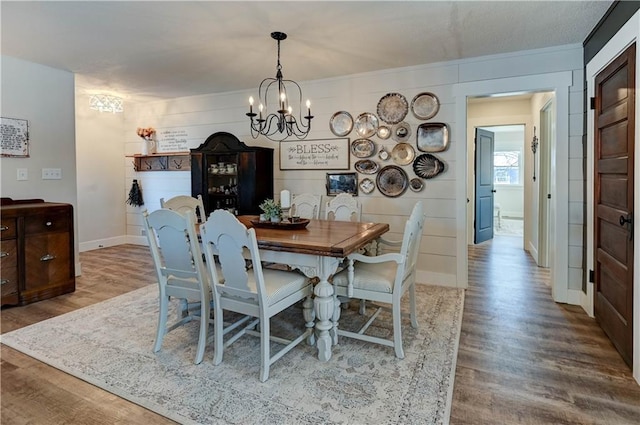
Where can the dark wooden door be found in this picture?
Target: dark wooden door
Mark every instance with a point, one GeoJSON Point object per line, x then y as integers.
{"type": "Point", "coordinates": [613, 197]}
{"type": "Point", "coordinates": [484, 186]}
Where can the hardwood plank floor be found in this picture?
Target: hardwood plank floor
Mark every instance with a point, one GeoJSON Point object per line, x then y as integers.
{"type": "Point", "coordinates": [522, 360]}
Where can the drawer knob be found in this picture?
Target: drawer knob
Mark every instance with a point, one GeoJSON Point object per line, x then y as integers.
{"type": "Point", "coordinates": [4, 281]}
{"type": "Point", "coordinates": [3, 228]}
{"type": "Point", "coordinates": [48, 223]}
{"type": "Point", "coordinates": [4, 254]}
{"type": "Point", "coordinates": [47, 257]}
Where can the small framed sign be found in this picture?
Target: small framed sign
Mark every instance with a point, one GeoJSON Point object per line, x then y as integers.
{"type": "Point", "coordinates": [14, 137]}
{"type": "Point", "coordinates": [320, 154]}
{"type": "Point", "coordinates": [342, 183]}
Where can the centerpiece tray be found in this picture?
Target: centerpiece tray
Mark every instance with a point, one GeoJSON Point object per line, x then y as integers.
{"type": "Point", "coordinates": [299, 224]}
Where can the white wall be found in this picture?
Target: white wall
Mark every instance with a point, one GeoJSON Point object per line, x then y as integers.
{"type": "Point", "coordinates": [442, 261]}
{"type": "Point", "coordinates": [45, 97]}
{"type": "Point", "coordinates": [101, 173]}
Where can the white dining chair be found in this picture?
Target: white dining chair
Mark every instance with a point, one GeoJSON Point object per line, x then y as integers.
{"type": "Point", "coordinates": [305, 205]}
{"type": "Point", "coordinates": [180, 271]}
{"type": "Point", "coordinates": [183, 203]}
{"type": "Point", "coordinates": [385, 279]}
{"type": "Point", "coordinates": [344, 207]}
{"type": "Point", "coordinates": [257, 292]}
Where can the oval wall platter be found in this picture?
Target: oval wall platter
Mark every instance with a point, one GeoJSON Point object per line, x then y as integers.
{"type": "Point", "coordinates": [425, 105]}
{"type": "Point", "coordinates": [392, 181]}
{"type": "Point", "coordinates": [366, 125]}
{"type": "Point", "coordinates": [366, 166]}
{"type": "Point", "coordinates": [341, 123]}
{"type": "Point", "coordinates": [392, 108]}
{"type": "Point", "coordinates": [363, 148]}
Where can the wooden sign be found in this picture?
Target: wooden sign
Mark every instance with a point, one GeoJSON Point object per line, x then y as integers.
{"type": "Point", "coordinates": [319, 154]}
{"type": "Point", "coordinates": [14, 137]}
{"type": "Point", "coordinates": [173, 140]}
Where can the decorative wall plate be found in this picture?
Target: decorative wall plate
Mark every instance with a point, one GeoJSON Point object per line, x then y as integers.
{"type": "Point", "coordinates": [428, 166]}
{"type": "Point", "coordinates": [432, 137]}
{"type": "Point", "coordinates": [366, 166]}
{"type": "Point", "coordinates": [392, 108]}
{"type": "Point", "coordinates": [425, 105]}
{"type": "Point", "coordinates": [392, 181]}
{"type": "Point", "coordinates": [383, 154]}
{"type": "Point", "coordinates": [366, 124]}
{"type": "Point", "coordinates": [384, 132]}
{"type": "Point", "coordinates": [367, 185]}
{"type": "Point", "coordinates": [341, 123]}
{"type": "Point", "coordinates": [401, 132]}
{"type": "Point", "coordinates": [416, 184]}
{"type": "Point", "coordinates": [363, 148]}
{"type": "Point", "coordinates": [403, 153]}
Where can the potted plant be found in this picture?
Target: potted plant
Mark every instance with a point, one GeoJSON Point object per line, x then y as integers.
{"type": "Point", "coordinates": [272, 210]}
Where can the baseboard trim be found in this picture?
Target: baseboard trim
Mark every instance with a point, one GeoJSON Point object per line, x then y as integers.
{"type": "Point", "coordinates": [102, 243]}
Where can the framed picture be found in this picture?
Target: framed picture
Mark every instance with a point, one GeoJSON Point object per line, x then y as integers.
{"type": "Point", "coordinates": [321, 154]}
{"type": "Point", "coordinates": [342, 183]}
{"type": "Point", "coordinates": [14, 137]}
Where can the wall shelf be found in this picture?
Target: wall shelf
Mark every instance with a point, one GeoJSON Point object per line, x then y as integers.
{"type": "Point", "coordinates": [164, 161]}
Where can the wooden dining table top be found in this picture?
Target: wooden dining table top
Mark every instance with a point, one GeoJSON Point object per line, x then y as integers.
{"type": "Point", "coordinates": [319, 237]}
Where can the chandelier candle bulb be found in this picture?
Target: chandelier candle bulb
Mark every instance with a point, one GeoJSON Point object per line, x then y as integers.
{"type": "Point", "coordinates": [308, 107]}
{"type": "Point", "coordinates": [285, 199]}
{"type": "Point", "coordinates": [250, 104]}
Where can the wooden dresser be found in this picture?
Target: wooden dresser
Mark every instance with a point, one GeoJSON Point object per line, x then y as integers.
{"type": "Point", "coordinates": [37, 250]}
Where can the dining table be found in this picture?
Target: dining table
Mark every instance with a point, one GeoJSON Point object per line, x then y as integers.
{"type": "Point", "coordinates": [316, 249]}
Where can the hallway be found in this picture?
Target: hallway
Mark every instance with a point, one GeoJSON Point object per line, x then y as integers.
{"type": "Point", "coordinates": [525, 359]}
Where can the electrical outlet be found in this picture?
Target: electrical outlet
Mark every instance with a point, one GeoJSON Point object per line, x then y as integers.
{"type": "Point", "coordinates": [23, 174]}
{"type": "Point", "coordinates": [51, 173]}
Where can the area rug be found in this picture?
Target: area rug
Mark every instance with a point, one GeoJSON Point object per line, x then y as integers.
{"type": "Point", "coordinates": [110, 345]}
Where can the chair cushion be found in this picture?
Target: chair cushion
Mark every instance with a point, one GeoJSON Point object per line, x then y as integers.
{"type": "Point", "coordinates": [279, 283]}
{"type": "Point", "coordinates": [378, 277]}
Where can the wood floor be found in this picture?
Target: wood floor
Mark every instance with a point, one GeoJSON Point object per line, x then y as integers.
{"type": "Point", "coordinates": [522, 359]}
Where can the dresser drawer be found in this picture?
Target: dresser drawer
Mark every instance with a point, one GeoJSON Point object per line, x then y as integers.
{"type": "Point", "coordinates": [8, 254]}
{"type": "Point", "coordinates": [48, 260]}
{"type": "Point", "coordinates": [8, 228]}
{"type": "Point", "coordinates": [46, 223]}
{"type": "Point", "coordinates": [9, 280]}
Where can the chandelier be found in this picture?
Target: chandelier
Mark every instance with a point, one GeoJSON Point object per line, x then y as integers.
{"type": "Point", "coordinates": [284, 121]}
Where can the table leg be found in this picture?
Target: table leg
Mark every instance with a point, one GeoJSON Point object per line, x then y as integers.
{"type": "Point", "coordinates": [310, 318]}
{"type": "Point", "coordinates": [325, 306]}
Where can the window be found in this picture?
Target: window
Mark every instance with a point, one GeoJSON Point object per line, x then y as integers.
{"type": "Point", "coordinates": [506, 167]}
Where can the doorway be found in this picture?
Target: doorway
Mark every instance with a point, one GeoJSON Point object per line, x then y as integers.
{"type": "Point", "coordinates": [508, 180]}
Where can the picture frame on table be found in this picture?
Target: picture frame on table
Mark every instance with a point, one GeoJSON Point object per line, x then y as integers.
{"type": "Point", "coordinates": [342, 183]}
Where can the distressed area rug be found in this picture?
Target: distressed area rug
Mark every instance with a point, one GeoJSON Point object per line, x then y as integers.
{"type": "Point", "coordinates": [110, 345]}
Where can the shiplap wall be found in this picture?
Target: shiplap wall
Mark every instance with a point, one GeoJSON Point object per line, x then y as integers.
{"type": "Point", "coordinates": [204, 115]}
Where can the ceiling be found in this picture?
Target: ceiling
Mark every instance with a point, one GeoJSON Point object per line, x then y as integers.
{"type": "Point", "coordinates": [157, 50]}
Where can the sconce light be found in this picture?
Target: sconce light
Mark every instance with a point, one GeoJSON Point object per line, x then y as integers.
{"type": "Point", "coordinates": [105, 103]}
{"type": "Point", "coordinates": [534, 149]}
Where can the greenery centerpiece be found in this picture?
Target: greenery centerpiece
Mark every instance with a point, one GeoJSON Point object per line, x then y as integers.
{"type": "Point", "coordinates": [272, 210]}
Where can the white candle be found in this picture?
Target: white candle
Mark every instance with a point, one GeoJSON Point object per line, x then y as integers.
{"type": "Point", "coordinates": [285, 199]}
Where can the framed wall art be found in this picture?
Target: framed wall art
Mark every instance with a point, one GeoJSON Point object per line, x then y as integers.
{"type": "Point", "coordinates": [342, 183]}
{"type": "Point", "coordinates": [320, 154]}
{"type": "Point", "coordinates": [14, 137]}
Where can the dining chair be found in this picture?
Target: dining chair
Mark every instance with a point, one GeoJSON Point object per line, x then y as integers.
{"type": "Point", "coordinates": [344, 207]}
{"type": "Point", "coordinates": [385, 279]}
{"type": "Point", "coordinates": [257, 292]}
{"type": "Point", "coordinates": [183, 203]}
{"type": "Point", "coordinates": [305, 205]}
{"type": "Point", "coordinates": [180, 271]}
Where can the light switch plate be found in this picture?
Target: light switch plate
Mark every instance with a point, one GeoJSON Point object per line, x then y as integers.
{"type": "Point", "coordinates": [51, 173]}
{"type": "Point", "coordinates": [23, 174]}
